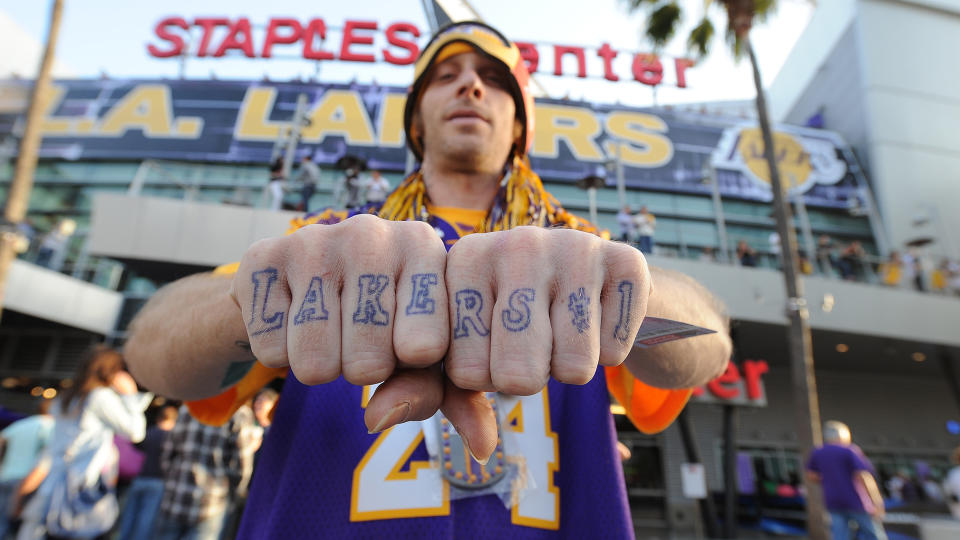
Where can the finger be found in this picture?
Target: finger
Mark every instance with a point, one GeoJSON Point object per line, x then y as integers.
{"type": "Point", "coordinates": [368, 299]}
{"type": "Point", "coordinates": [409, 394]}
{"type": "Point", "coordinates": [470, 312]}
{"type": "Point", "coordinates": [313, 336]}
{"type": "Point", "coordinates": [472, 416]}
{"type": "Point", "coordinates": [626, 291]}
{"type": "Point", "coordinates": [521, 337]}
{"type": "Point", "coordinates": [260, 288]}
{"type": "Point", "coordinates": [421, 332]}
{"type": "Point", "coordinates": [575, 312]}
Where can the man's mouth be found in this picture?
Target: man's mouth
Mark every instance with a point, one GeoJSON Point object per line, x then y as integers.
{"type": "Point", "coordinates": [465, 114]}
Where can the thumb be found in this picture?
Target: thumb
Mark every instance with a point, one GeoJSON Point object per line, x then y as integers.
{"type": "Point", "coordinates": [473, 418]}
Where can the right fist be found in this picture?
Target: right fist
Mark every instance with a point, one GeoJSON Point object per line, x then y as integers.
{"type": "Point", "coordinates": [357, 299]}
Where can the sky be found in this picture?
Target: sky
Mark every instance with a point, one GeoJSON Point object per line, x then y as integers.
{"type": "Point", "coordinates": [111, 37]}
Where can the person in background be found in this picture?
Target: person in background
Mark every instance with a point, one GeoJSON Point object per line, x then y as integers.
{"type": "Point", "coordinates": [205, 469]}
{"type": "Point", "coordinates": [146, 490]}
{"type": "Point", "coordinates": [81, 459]}
{"type": "Point", "coordinates": [849, 487]}
{"type": "Point", "coordinates": [263, 407]}
{"type": "Point", "coordinates": [309, 176]}
{"type": "Point", "coordinates": [939, 278]}
{"type": "Point", "coordinates": [377, 188]}
{"type": "Point", "coordinates": [646, 224]}
{"type": "Point", "coordinates": [53, 248]}
{"type": "Point", "coordinates": [825, 255]}
{"type": "Point", "coordinates": [628, 229]}
{"type": "Point", "coordinates": [891, 272]}
{"type": "Point", "coordinates": [746, 254]}
{"type": "Point", "coordinates": [806, 267]}
{"type": "Point", "coordinates": [709, 254]}
{"type": "Point", "coordinates": [951, 485]}
{"type": "Point", "coordinates": [354, 183]}
{"type": "Point", "coordinates": [912, 269]}
{"type": "Point", "coordinates": [23, 443]}
{"type": "Point", "coordinates": [275, 187]}
{"type": "Point", "coordinates": [774, 241]}
{"type": "Point", "coordinates": [953, 276]}
{"type": "Point", "coordinates": [851, 261]}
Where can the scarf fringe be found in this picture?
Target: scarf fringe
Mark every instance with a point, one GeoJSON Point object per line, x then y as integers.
{"type": "Point", "coordinates": [521, 200]}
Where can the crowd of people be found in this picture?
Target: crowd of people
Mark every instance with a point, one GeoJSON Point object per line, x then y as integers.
{"type": "Point", "coordinates": [90, 465]}
{"type": "Point", "coordinates": [352, 190]}
{"type": "Point", "coordinates": [909, 268]}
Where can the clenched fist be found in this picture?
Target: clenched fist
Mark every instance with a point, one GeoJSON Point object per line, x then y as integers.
{"type": "Point", "coordinates": [375, 300]}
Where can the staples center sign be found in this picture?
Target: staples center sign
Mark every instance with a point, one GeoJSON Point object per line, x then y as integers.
{"type": "Point", "coordinates": [738, 385]}
{"type": "Point", "coordinates": [221, 35]}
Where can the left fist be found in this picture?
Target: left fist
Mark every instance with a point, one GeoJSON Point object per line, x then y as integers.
{"type": "Point", "coordinates": [530, 302]}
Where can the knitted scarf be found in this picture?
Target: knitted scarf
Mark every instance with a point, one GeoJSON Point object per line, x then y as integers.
{"type": "Point", "coordinates": [521, 200]}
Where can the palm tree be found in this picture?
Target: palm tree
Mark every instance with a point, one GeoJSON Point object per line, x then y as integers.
{"type": "Point", "coordinates": [663, 18]}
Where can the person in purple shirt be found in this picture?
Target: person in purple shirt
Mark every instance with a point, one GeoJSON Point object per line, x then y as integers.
{"type": "Point", "coordinates": [849, 488]}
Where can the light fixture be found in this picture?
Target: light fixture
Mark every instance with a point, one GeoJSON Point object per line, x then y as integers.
{"type": "Point", "coordinates": [918, 357]}
{"type": "Point", "coordinates": [9, 382]}
{"type": "Point", "coordinates": [616, 408]}
{"type": "Point", "coordinates": [49, 393]}
{"type": "Point", "coordinates": [36, 391]}
{"type": "Point", "coordinates": [828, 302]}
{"type": "Point", "coordinates": [842, 347]}
{"type": "Point", "coordinates": [66, 383]}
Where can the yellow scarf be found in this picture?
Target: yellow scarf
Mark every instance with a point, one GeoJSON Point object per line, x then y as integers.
{"type": "Point", "coordinates": [521, 200]}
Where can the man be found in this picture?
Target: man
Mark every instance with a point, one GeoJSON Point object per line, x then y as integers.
{"type": "Point", "coordinates": [353, 185]}
{"type": "Point", "coordinates": [205, 470]}
{"type": "Point", "coordinates": [951, 484]}
{"type": "Point", "coordinates": [146, 490]}
{"type": "Point", "coordinates": [275, 186]}
{"type": "Point", "coordinates": [309, 176]}
{"type": "Point", "coordinates": [23, 443]}
{"type": "Point", "coordinates": [849, 488]}
{"type": "Point", "coordinates": [349, 304]}
{"type": "Point", "coordinates": [645, 223]}
{"type": "Point", "coordinates": [628, 228]}
{"type": "Point", "coordinates": [377, 188]}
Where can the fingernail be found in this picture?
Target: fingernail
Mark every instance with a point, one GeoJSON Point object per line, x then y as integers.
{"type": "Point", "coordinates": [466, 443]}
{"type": "Point", "coordinates": [397, 415]}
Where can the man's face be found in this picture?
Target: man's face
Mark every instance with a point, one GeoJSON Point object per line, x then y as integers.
{"type": "Point", "coordinates": [466, 112]}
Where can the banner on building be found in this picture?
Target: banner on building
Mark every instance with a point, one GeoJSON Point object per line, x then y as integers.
{"type": "Point", "coordinates": [242, 121]}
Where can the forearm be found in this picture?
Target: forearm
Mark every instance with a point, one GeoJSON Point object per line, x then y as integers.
{"type": "Point", "coordinates": [184, 340]}
{"type": "Point", "coordinates": [869, 484]}
{"type": "Point", "coordinates": [688, 362]}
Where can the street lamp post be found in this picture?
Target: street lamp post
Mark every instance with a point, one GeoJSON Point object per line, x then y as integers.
{"type": "Point", "coordinates": [590, 183]}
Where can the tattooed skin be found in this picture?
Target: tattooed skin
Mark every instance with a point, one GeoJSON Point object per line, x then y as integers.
{"type": "Point", "coordinates": [421, 303]}
{"type": "Point", "coordinates": [622, 331]}
{"type": "Point", "coordinates": [237, 370]}
{"type": "Point", "coordinates": [369, 310]}
{"type": "Point", "coordinates": [516, 317]}
{"type": "Point", "coordinates": [312, 308]}
{"type": "Point", "coordinates": [579, 306]}
{"type": "Point", "coordinates": [263, 281]}
{"type": "Point", "coordinates": [469, 304]}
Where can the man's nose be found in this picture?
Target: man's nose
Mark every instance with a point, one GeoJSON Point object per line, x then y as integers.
{"type": "Point", "coordinates": [470, 84]}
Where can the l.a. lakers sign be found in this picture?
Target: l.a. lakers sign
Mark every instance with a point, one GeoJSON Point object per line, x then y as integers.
{"type": "Point", "coordinates": [805, 158]}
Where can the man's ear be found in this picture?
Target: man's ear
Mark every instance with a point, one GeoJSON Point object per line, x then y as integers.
{"type": "Point", "coordinates": [517, 131]}
{"type": "Point", "coordinates": [416, 128]}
